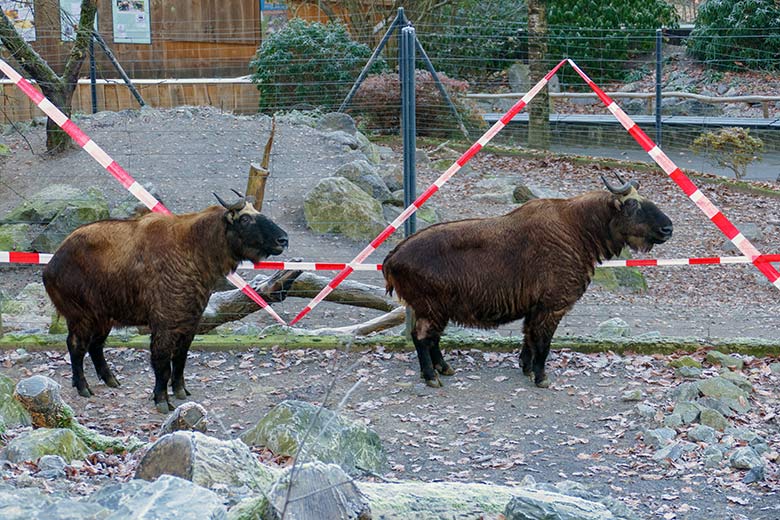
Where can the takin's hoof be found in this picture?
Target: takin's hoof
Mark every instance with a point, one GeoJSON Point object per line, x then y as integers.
{"type": "Point", "coordinates": [85, 392]}
{"type": "Point", "coordinates": [445, 370]}
{"type": "Point", "coordinates": [544, 383]}
{"type": "Point", "coordinates": [112, 381]}
{"type": "Point", "coordinates": [164, 407]}
{"type": "Point", "coordinates": [181, 393]}
{"type": "Point", "coordinates": [433, 383]}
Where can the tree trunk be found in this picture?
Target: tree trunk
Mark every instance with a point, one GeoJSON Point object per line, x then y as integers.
{"type": "Point", "coordinates": [539, 109]}
{"type": "Point", "coordinates": [58, 89]}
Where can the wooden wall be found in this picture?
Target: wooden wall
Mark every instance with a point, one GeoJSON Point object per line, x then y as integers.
{"type": "Point", "coordinates": [234, 95]}
{"type": "Point", "coordinates": [190, 39]}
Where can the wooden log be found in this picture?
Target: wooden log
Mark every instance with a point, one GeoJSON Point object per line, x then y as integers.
{"type": "Point", "coordinates": [258, 174]}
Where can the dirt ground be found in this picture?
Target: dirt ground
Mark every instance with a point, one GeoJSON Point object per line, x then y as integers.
{"type": "Point", "coordinates": [488, 424]}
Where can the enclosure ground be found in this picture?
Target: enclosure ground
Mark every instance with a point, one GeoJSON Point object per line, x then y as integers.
{"type": "Point", "coordinates": [488, 423]}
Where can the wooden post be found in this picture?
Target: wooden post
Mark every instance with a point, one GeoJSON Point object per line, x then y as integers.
{"type": "Point", "coordinates": [258, 174]}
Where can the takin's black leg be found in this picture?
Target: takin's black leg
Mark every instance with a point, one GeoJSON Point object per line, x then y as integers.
{"type": "Point", "coordinates": [77, 348]}
{"type": "Point", "coordinates": [441, 366]}
{"type": "Point", "coordinates": [96, 343]}
{"type": "Point", "coordinates": [162, 346]}
{"type": "Point", "coordinates": [526, 358]}
{"type": "Point", "coordinates": [425, 336]}
{"type": "Point", "coordinates": [539, 328]}
{"type": "Point", "coordinates": [177, 362]}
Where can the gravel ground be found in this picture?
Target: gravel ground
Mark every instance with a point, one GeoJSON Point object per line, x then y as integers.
{"type": "Point", "coordinates": [488, 423]}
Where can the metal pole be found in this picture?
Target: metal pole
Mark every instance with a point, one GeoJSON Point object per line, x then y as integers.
{"type": "Point", "coordinates": [363, 73]}
{"type": "Point", "coordinates": [441, 88]}
{"type": "Point", "coordinates": [92, 74]}
{"type": "Point", "coordinates": [118, 67]}
{"type": "Point", "coordinates": [658, 45]}
{"type": "Point", "coordinates": [408, 125]}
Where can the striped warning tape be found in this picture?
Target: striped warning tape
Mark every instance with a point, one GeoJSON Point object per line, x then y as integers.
{"type": "Point", "coordinates": [119, 173]}
{"type": "Point", "coordinates": [682, 180]}
{"type": "Point", "coordinates": [433, 188]}
{"type": "Point", "coordinates": [14, 257]}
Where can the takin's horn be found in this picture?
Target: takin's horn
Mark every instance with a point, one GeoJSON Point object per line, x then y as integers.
{"type": "Point", "coordinates": [625, 189]}
{"type": "Point", "coordinates": [222, 202]}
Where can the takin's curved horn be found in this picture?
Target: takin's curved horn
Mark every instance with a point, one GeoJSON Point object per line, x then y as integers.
{"type": "Point", "coordinates": [620, 190]}
{"type": "Point", "coordinates": [237, 193]}
{"type": "Point", "coordinates": [619, 178]}
{"type": "Point", "coordinates": [222, 202]}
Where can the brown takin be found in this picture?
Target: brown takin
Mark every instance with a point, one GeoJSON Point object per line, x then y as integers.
{"type": "Point", "coordinates": [533, 263]}
{"type": "Point", "coordinates": [158, 271]}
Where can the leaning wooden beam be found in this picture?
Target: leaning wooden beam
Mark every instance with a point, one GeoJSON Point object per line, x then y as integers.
{"type": "Point", "coordinates": [227, 306]}
{"type": "Point", "coordinates": [233, 305]}
{"type": "Point", "coordinates": [386, 321]}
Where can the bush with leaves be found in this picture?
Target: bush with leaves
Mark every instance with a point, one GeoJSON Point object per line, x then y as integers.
{"type": "Point", "coordinates": [737, 34]}
{"type": "Point", "coordinates": [733, 148]}
{"type": "Point", "coordinates": [601, 35]}
{"type": "Point", "coordinates": [378, 104]}
{"type": "Point", "coordinates": [310, 64]}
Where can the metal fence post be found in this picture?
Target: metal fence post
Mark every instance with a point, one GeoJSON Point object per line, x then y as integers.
{"type": "Point", "coordinates": [658, 79]}
{"type": "Point", "coordinates": [406, 59]}
{"type": "Point", "coordinates": [92, 74]}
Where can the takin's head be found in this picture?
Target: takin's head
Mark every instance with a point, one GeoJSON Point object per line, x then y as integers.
{"type": "Point", "coordinates": [640, 224]}
{"type": "Point", "coordinates": [250, 234]}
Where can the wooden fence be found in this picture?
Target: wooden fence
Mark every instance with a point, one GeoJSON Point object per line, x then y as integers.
{"type": "Point", "coordinates": [237, 95]}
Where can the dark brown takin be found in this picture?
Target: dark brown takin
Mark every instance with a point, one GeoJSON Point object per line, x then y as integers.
{"type": "Point", "coordinates": [158, 271]}
{"type": "Point", "coordinates": [533, 264]}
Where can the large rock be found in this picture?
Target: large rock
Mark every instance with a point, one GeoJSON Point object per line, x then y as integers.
{"type": "Point", "coordinates": [166, 498]}
{"type": "Point", "coordinates": [45, 441]}
{"type": "Point", "coordinates": [78, 212]}
{"type": "Point", "coordinates": [336, 205]}
{"type": "Point", "coordinates": [228, 467]}
{"type": "Point", "coordinates": [613, 328]}
{"type": "Point", "coordinates": [42, 207]}
{"type": "Point", "coordinates": [721, 388]}
{"type": "Point", "coordinates": [12, 413]}
{"type": "Point", "coordinates": [318, 491]}
{"type": "Point", "coordinates": [365, 176]}
{"type": "Point", "coordinates": [30, 310]}
{"type": "Point", "coordinates": [188, 416]}
{"type": "Point", "coordinates": [15, 237]}
{"type": "Point", "coordinates": [337, 121]}
{"type": "Point", "coordinates": [719, 358]}
{"type": "Point", "coordinates": [34, 504]}
{"type": "Point", "coordinates": [331, 438]}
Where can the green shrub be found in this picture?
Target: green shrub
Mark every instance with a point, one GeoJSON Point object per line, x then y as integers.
{"type": "Point", "coordinates": [308, 64]}
{"type": "Point", "coordinates": [601, 35]}
{"type": "Point", "coordinates": [470, 39]}
{"type": "Point", "coordinates": [378, 104]}
{"type": "Point", "coordinates": [737, 34]}
{"type": "Point", "coordinates": [732, 148]}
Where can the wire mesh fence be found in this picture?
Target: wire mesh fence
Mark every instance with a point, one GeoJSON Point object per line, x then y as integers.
{"type": "Point", "coordinates": [187, 153]}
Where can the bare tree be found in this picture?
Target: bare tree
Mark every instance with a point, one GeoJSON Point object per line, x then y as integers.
{"type": "Point", "coordinates": [539, 111]}
{"type": "Point", "coordinates": [59, 89]}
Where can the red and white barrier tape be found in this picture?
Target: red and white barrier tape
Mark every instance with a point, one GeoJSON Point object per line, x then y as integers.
{"type": "Point", "coordinates": [433, 188]}
{"type": "Point", "coordinates": [13, 257]}
{"type": "Point", "coordinates": [119, 173]}
{"type": "Point", "coordinates": [682, 180]}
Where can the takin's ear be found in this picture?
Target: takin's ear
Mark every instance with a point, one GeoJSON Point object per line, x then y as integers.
{"type": "Point", "coordinates": [231, 215]}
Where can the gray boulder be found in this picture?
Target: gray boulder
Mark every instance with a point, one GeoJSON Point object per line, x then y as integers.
{"type": "Point", "coordinates": [51, 466]}
{"type": "Point", "coordinates": [186, 417]}
{"type": "Point", "coordinates": [393, 175]}
{"type": "Point", "coordinates": [35, 444]}
{"type": "Point", "coordinates": [713, 419]}
{"type": "Point", "coordinates": [426, 215]}
{"type": "Point", "coordinates": [554, 506]}
{"type": "Point", "coordinates": [684, 392]}
{"type": "Point", "coordinates": [721, 388]}
{"type": "Point", "coordinates": [345, 139]}
{"type": "Point", "coordinates": [228, 467]}
{"type": "Point", "coordinates": [745, 458]}
{"type": "Point", "coordinates": [15, 237]}
{"type": "Point", "coordinates": [688, 412]}
{"type": "Point", "coordinates": [167, 497]}
{"type": "Point", "coordinates": [42, 207]}
{"type": "Point", "coordinates": [373, 153]}
{"type": "Point", "coordinates": [365, 176]}
{"type": "Point", "coordinates": [613, 328]}
{"type": "Point", "coordinates": [30, 310]}
{"type": "Point", "coordinates": [337, 121]}
{"type": "Point", "coordinates": [12, 413]}
{"type": "Point", "coordinates": [34, 504]}
{"type": "Point", "coordinates": [336, 205]}
{"type": "Point", "coordinates": [78, 212]}
{"type": "Point", "coordinates": [331, 438]}
{"type": "Point", "coordinates": [318, 491]}
{"type": "Point", "coordinates": [716, 357]}
{"type": "Point", "coordinates": [702, 433]}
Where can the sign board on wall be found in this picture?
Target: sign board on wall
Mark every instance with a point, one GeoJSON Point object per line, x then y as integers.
{"type": "Point", "coordinates": [22, 16]}
{"type": "Point", "coordinates": [131, 21]}
{"type": "Point", "coordinates": [70, 12]}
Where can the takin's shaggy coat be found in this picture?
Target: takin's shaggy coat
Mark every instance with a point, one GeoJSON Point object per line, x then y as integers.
{"type": "Point", "coordinates": [533, 263]}
{"type": "Point", "coordinates": [157, 270]}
